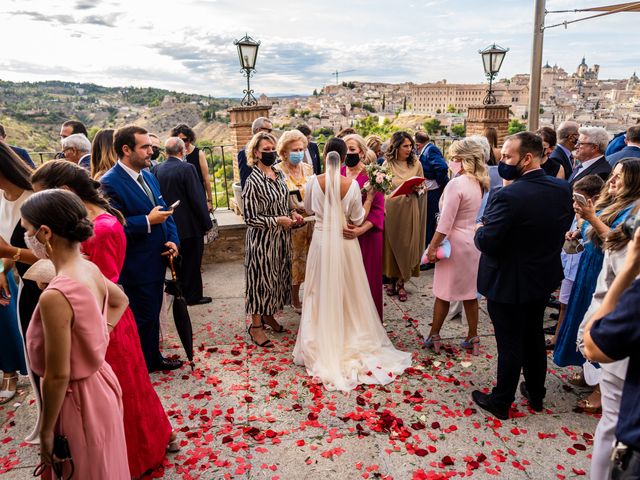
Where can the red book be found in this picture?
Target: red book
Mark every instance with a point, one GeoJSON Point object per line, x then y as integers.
{"type": "Point", "coordinates": [407, 187]}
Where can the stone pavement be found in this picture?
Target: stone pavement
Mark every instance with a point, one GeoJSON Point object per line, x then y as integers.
{"type": "Point", "coordinates": [250, 413]}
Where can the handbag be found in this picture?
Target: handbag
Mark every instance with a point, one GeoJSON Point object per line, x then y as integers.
{"type": "Point", "coordinates": [571, 247]}
{"type": "Point", "coordinates": [62, 451]}
{"type": "Point", "coordinates": [213, 234]}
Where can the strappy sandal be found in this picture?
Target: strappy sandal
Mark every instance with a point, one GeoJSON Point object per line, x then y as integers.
{"type": "Point", "coordinates": [391, 290]}
{"type": "Point", "coordinates": [173, 446]}
{"type": "Point", "coordinates": [280, 328]}
{"type": "Point", "coordinates": [577, 379]}
{"type": "Point", "coordinates": [585, 405]}
{"type": "Point", "coordinates": [402, 295]}
{"type": "Point", "coordinates": [266, 344]}
{"type": "Point", "coordinates": [433, 341]}
{"type": "Point", "coordinates": [472, 344]}
{"type": "Point", "coordinates": [6, 394]}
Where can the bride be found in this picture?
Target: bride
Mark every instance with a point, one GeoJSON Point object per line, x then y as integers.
{"type": "Point", "coordinates": [341, 341]}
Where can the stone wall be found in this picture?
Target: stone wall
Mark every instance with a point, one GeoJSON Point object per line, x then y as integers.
{"type": "Point", "coordinates": [241, 119]}
{"type": "Point", "coordinates": [481, 116]}
{"type": "Point", "coordinates": [229, 247]}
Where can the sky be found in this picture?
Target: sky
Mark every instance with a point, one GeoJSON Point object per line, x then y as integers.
{"type": "Point", "coordinates": [188, 45]}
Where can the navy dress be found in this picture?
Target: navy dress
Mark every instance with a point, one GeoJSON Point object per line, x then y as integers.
{"type": "Point", "coordinates": [566, 352]}
{"type": "Point", "coordinates": [11, 346]}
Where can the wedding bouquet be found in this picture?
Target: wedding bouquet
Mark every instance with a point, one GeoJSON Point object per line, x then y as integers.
{"type": "Point", "coordinates": [379, 179]}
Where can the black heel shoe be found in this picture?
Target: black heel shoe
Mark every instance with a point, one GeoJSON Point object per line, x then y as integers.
{"type": "Point", "coordinates": [280, 328]}
{"type": "Point", "coordinates": [266, 344]}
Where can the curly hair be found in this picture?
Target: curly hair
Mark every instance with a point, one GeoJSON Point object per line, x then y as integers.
{"type": "Point", "coordinates": [397, 139]}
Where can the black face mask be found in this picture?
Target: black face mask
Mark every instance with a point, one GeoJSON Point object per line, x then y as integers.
{"type": "Point", "coordinates": [155, 154]}
{"type": "Point", "coordinates": [268, 158]}
{"type": "Point", "coordinates": [352, 159]}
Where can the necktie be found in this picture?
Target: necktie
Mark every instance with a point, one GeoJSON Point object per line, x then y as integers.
{"type": "Point", "coordinates": [146, 189]}
{"type": "Point", "coordinates": [576, 171]}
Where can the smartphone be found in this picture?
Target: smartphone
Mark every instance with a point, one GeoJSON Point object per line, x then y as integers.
{"type": "Point", "coordinates": [579, 198]}
{"type": "Point", "coordinates": [174, 205]}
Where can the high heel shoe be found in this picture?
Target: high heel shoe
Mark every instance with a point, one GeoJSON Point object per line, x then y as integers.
{"type": "Point", "coordinates": [6, 394]}
{"type": "Point", "coordinates": [433, 341]}
{"type": "Point", "coordinates": [266, 344]}
{"type": "Point", "coordinates": [472, 344]}
{"type": "Point", "coordinates": [277, 328]}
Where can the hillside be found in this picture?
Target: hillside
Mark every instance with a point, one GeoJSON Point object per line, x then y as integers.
{"type": "Point", "coordinates": [33, 112]}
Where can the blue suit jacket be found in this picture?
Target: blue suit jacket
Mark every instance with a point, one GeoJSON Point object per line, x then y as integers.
{"type": "Point", "coordinates": [179, 181]}
{"type": "Point", "coordinates": [433, 165]}
{"type": "Point", "coordinates": [143, 261]}
{"type": "Point", "coordinates": [523, 233]}
{"type": "Point", "coordinates": [24, 155]}
{"type": "Point", "coordinates": [245, 170]}
{"type": "Point", "coordinates": [629, 151]}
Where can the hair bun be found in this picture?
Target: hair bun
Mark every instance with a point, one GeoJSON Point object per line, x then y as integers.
{"type": "Point", "coordinates": [81, 231]}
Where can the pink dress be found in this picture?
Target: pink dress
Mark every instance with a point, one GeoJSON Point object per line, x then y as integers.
{"type": "Point", "coordinates": [91, 414]}
{"type": "Point", "coordinates": [456, 277]}
{"type": "Point", "coordinates": [146, 425]}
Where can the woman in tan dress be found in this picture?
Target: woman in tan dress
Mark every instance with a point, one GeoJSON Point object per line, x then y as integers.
{"type": "Point", "coordinates": [405, 218]}
{"type": "Point", "coordinates": [290, 148]}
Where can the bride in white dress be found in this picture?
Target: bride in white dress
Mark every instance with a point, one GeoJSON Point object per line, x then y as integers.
{"type": "Point", "coordinates": [341, 341]}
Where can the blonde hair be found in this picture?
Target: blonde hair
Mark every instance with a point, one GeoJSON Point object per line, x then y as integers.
{"type": "Point", "coordinates": [254, 144]}
{"type": "Point", "coordinates": [361, 144]}
{"type": "Point", "coordinates": [473, 163]}
{"type": "Point", "coordinates": [370, 158]}
{"type": "Point", "coordinates": [374, 142]}
{"type": "Point", "coordinates": [284, 143]}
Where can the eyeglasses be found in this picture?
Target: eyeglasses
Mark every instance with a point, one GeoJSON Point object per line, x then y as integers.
{"type": "Point", "coordinates": [268, 130]}
{"type": "Point", "coordinates": [579, 144]}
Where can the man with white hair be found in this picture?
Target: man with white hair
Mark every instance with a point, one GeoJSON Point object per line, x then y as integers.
{"type": "Point", "coordinates": [260, 124]}
{"type": "Point", "coordinates": [77, 149]}
{"type": "Point", "coordinates": [592, 143]}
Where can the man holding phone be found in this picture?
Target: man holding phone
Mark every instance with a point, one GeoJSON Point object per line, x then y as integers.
{"type": "Point", "coordinates": [181, 186]}
{"type": "Point", "coordinates": [151, 236]}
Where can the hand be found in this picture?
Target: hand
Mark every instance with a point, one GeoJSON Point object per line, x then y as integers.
{"type": "Point", "coordinates": [588, 211]}
{"type": "Point", "coordinates": [572, 235]}
{"type": "Point", "coordinates": [46, 448]}
{"type": "Point", "coordinates": [351, 231]}
{"type": "Point", "coordinates": [284, 222]}
{"type": "Point", "coordinates": [158, 215]}
{"type": "Point", "coordinates": [297, 218]}
{"type": "Point", "coordinates": [5, 294]}
{"type": "Point", "coordinates": [633, 253]}
{"type": "Point", "coordinates": [210, 204]}
{"type": "Point", "coordinates": [172, 250]}
{"type": "Point", "coordinates": [431, 254]}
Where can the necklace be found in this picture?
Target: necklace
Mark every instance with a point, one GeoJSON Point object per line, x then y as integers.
{"type": "Point", "coordinates": [297, 180]}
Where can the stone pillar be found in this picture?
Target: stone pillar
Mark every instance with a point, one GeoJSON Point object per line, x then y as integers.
{"type": "Point", "coordinates": [481, 116]}
{"type": "Point", "coordinates": [241, 119]}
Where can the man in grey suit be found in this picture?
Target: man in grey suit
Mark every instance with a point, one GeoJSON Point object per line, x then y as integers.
{"type": "Point", "coordinates": [632, 139]}
{"type": "Point", "coordinates": [590, 149]}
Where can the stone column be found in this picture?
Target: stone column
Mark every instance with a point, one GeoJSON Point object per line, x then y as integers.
{"type": "Point", "coordinates": [481, 116]}
{"type": "Point", "coordinates": [241, 119]}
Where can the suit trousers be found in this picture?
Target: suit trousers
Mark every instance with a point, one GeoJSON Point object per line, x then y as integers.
{"type": "Point", "coordinates": [145, 301]}
{"type": "Point", "coordinates": [521, 347]}
{"type": "Point", "coordinates": [190, 276]}
{"type": "Point", "coordinates": [433, 208]}
{"type": "Point", "coordinates": [605, 437]}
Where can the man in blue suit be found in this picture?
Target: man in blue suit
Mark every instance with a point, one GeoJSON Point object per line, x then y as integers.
{"type": "Point", "coordinates": [151, 235]}
{"type": "Point", "coordinates": [520, 239]}
{"type": "Point", "coordinates": [179, 181]}
{"type": "Point", "coordinates": [312, 153]}
{"type": "Point", "coordinates": [21, 152]}
{"type": "Point", "coordinates": [632, 148]}
{"type": "Point", "coordinates": [436, 172]}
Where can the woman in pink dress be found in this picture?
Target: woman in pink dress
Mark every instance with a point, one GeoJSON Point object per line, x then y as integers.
{"type": "Point", "coordinates": [67, 341]}
{"type": "Point", "coordinates": [370, 233]}
{"type": "Point", "coordinates": [455, 277]}
{"type": "Point", "coordinates": [147, 427]}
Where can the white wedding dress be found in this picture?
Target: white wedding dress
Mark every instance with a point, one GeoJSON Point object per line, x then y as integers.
{"type": "Point", "coordinates": [341, 341]}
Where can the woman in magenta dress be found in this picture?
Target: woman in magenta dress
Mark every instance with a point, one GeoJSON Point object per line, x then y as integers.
{"type": "Point", "coordinates": [455, 277]}
{"type": "Point", "coordinates": [370, 233]}
{"type": "Point", "coordinates": [147, 427]}
{"type": "Point", "coordinates": [67, 340]}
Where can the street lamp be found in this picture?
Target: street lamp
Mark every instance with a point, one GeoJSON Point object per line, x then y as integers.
{"type": "Point", "coordinates": [247, 53]}
{"type": "Point", "coordinates": [492, 58]}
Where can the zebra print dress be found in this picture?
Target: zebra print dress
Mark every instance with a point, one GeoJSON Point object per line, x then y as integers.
{"type": "Point", "coordinates": [267, 258]}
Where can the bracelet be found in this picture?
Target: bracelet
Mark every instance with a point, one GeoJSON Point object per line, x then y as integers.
{"type": "Point", "coordinates": [16, 257]}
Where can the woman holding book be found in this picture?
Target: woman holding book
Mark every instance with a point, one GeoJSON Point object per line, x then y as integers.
{"type": "Point", "coordinates": [405, 218]}
{"type": "Point", "coordinates": [455, 278]}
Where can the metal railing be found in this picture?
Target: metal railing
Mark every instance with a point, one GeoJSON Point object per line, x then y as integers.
{"type": "Point", "coordinates": [220, 163]}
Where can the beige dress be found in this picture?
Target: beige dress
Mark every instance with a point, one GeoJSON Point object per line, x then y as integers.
{"type": "Point", "coordinates": [405, 226]}
{"type": "Point", "coordinates": [301, 236]}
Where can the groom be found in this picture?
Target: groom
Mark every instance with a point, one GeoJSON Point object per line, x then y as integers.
{"type": "Point", "coordinates": [151, 235]}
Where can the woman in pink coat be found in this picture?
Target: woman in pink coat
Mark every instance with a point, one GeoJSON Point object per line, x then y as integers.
{"type": "Point", "coordinates": [455, 277]}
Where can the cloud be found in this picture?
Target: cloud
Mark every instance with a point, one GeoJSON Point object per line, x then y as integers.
{"type": "Point", "coordinates": [107, 20]}
{"type": "Point", "coordinates": [86, 4]}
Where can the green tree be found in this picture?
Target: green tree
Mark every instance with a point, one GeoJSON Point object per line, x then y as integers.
{"type": "Point", "coordinates": [451, 109]}
{"type": "Point", "coordinates": [404, 104]}
{"type": "Point", "coordinates": [384, 101]}
{"type": "Point", "coordinates": [438, 111]}
{"type": "Point", "coordinates": [315, 92]}
{"type": "Point", "coordinates": [292, 112]}
{"type": "Point", "coordinates": [458, 130]}
{"type": "Point", "coordinates": [516, 126]}
{"type": "Point", "coordinates": [432, 126]}
{"type": "Point", "coordinates": [368, 107]}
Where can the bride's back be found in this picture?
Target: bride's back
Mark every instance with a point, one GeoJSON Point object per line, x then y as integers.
{"type": "Point", "coordinates": [345, 184]}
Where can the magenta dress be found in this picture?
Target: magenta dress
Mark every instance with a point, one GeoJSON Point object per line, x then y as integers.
{"type": "Point", "coordinates": [455, 278]}
{"type": "Point", "coordinates": [371, 243]}
{"type": "Point", "coordinates": [91, 414]}
{"type": "Point", "coordinates": [146, 425]}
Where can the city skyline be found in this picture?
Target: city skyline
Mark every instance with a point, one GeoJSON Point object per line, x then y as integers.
{"type": "Point", "coordinates": [190, 48]}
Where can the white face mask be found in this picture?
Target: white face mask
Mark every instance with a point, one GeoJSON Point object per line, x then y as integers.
{"type": "Point", "coordinates": [38, 248]}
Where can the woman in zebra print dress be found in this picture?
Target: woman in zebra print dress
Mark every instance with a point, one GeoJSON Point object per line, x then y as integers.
{"type": "Point", "coordinates": [268, 242]}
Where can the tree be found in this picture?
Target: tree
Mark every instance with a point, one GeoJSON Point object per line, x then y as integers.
{"type": "Point", "coordinates": [458, 130]}
{"type": "Point", "coordinates": [292, 112]}
{"type": "Point", "coordinates": [384, 101]}
{"type": "Point", "coordinates": [438, 111]}
{"type": "Point", "coordinates": [315, 92]}
{"type": "Point", "coordinates": [404, 104]}
{"type": "Point", "coordinates": [368, 107]}
{"type": "Point", "coordinates": [516, 126]}
{"type": "Point", "coordinates": [432, 126]}
{"type": "Point", "coordinates": [451, 109]}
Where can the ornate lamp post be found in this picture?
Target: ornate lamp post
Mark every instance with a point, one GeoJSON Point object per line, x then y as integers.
{"type": "Point", "coordinates": [248, 53]}
{"type": "Point", "coordinates": [492, 58]}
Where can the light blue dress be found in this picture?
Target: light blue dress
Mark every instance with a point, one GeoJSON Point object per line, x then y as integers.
{"type": "Point", "coordinates": [11, 345]}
